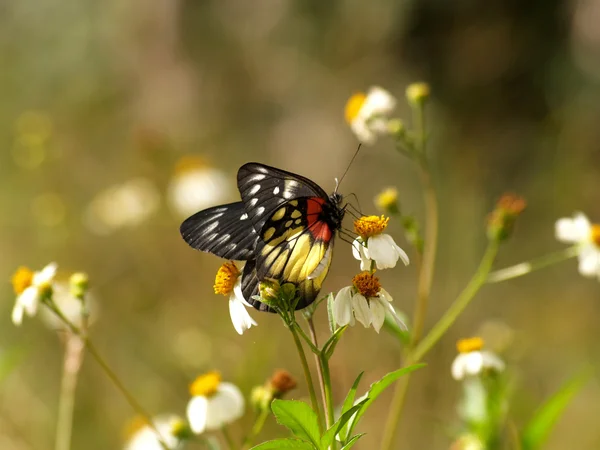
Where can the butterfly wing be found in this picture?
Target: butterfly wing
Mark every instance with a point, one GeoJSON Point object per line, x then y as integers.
{"type": "Point", "coordinates": [295, 247]}
{"type": "Point", "coordinates": [224, 230]}
{"type": "Point", "coordinates": [264, 189]}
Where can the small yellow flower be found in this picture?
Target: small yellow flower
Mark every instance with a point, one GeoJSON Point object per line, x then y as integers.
{"type": "Point", "coordinates": [226, 278]}
{"type": "Point", "coordinates": [78, 284]}
{"type": "Point", "coordinates": [367, 284]}
{"type": "Point", "coordinates": [368, 226]}
{"type": "Point", "coordinates": [22, 279]}
{"type": "Point", "coordinates": [206, 385]}
{"type": "Point", "coordinates": [469, 344]}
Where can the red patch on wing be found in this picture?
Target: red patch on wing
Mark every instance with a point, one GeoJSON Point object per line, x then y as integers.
{"type": "Point", "coordinates": [318, 228]}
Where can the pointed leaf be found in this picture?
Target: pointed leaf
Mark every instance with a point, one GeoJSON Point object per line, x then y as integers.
{"type": "Point", "coordinates": [329, 435]}
{"type": "Point", "coordinates": [538, 429]}
{"type": "Point", "coordinates": [348, 402]}
{"type": "Point", "coordinates": [378, 387]}
{"type": "Point", "coordinates": [352, 441]}
{"type": "Point", "coordinates": [329, 346]}
{"type": "Point", "coordinates": [299, 418]}
{"type": "Point", "coordinates": [284, 444]}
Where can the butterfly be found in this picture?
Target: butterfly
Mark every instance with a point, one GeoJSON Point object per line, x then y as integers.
{"type": "Point", "coordinates": [284, 228]}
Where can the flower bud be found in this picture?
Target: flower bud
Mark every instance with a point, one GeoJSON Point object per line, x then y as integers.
{"type": "Point", "coordinates": [261, 397]}
{"type": "Point", "coordinates": [502, 219]}
{"type": "Point", "coordinates": [387, 201]}
{"type": "Point", "coordinates": [417, 93]}
{"type": "Point", "coordinates": [282, 382]}
{"type": "Point", "coordinates": [78, 284]}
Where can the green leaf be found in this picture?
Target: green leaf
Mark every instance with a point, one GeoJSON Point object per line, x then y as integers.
{"type": "Point", "coordinates": [329, 346]}
{"type": "Point", "coordinates": [299, 418]}
{"type": "Point", "coordinates": [538, 429]}
{"type": "Point", "coordinates": [392, 327]}
{"type": "Point", "coordinates": [352, 441]}
{"type": "Point", "coordinates": [329, 435]}
{"type": "Point", "coordinates": [378, 387]}
{"type": "Point", "coordinates": [284, 444]}
{"type": "Point", "coordinates": [348, 402]}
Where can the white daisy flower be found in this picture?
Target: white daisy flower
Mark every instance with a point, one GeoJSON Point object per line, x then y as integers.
{"type": "Point", "coordinates": [144, 437]}
{"type": "Point", "coordinates": [368, 114]}
{"type": "Point", "coordinates": [365, 301]}
{"type": "Point", "coordinates": [374, 245]}
{"type": "Point", "coordinates": [229, 282]}
{"type": "Point", "coordinates": [31, 287]}
{"type": "Point", "coordinates": [196, 186]}
{"type": "Point", "coordinates": [214, 403]}
{"type": "Point", "coordinates": [578, 230]}
{"type": "Point", "coordinates": [473, 361]}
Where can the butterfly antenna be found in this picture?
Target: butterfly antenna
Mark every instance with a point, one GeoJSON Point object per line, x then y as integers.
{"type": "Point", "coordinates": [337, 183]}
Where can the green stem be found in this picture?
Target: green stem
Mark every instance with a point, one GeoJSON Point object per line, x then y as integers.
{"type": "Point", "coordinates": [438, 330]}
{"type": "Point", "coordinates": [108, 371]}
{"type": "Point", "coordinates": [459, 305]}
{"type": "Point", "coordinates": [72, 362]}
{"type": "Point", "coordinates": [307, 375]}
{"type": "Point", "coordinates": [228, 438]}
{"type": "Point", "coordinates": [324, 376]}
{"type": "Point", "coordinates": [309, 340]}
{"type": "Point", "coordinates": [518, 270]}
{"type": "Point", "coordinates": [256, 428]}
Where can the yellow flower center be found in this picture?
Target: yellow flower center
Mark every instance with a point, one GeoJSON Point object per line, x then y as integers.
{"type": "Point", "coordinates": [22, 279]}
{"type": "Point", "coordinates": [353, 106]}
{"type": "Point", "coordinates": [469, 345]}
{"type": "Point", "coordinates": [226, 277]}
{"type": "Point", "coordinates": [387, 199]}
{"type": "Point", "coordinates": [205, 385]}
{"type": "Point", "coordinates": [595, 234]}
{"type": "Point", "coordinates": [368, 226]}
{"type": "Point", "coordinates": [367, 284]}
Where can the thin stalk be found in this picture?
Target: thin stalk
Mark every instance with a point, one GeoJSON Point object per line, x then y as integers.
{"type": "Point", "coordinates": [228, 438]}
{"type": "Point", "coordinates": [518, 270]}
{"type": "Point", "coordinates": [108, 371]}
{"type": "Point", "coordinates": [256, 428]}
{"type": "Point", "coordinates": [313, 336]}
{"type": "Point", "coordinates": [72, 362]}
{"type": "Point", "coordinates": [307, 375]}
{"type": "Point", "coordinates": [439, 329]}
{"type": "Point", "coordinates": [459, 305]}
{"type": "Point", "coordinates": [324, 376]}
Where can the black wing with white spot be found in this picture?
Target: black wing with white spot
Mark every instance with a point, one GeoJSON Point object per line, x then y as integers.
{"type": "Point", "coordinates": [264, 189]}
{"type": "Point", "coordinates": [224, 231]}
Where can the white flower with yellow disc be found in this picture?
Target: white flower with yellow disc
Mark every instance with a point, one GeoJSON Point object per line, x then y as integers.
{"type": "Point", "coordinates": [31, 287]}
{"type": "Point", "coordinates": [472, 360]}
{"type": "Point", "coordinates": [228, 281]}
{"type": "Point", "coordinates": [368, 114]}
{"type": "Point", "coordinates": [579, 230]}
{"type": "Point", "coordinates": [143, 437]}
{"type": "Point", "coordinates": [372, 244]}
{"type": "Point", "coordinates": [214, 403]}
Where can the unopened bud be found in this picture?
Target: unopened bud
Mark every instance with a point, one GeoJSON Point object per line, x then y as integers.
{"type": "Point", "coordinates": [78, 283]}
{"type": "Point", "coordinates": [417, 93]}
{"type": "Point", "coordinates": [387, 201]}
{"type": "Point", "coordinates": [282, 382]}
{"type": "Point", "coordinates": [261, 397]}
{"type": "Point", "coordinates": [396, 128]}
{"type": "Point", "coordinates": [501, 221]}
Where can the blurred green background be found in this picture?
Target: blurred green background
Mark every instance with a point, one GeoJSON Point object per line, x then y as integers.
{"type": "Point", "coordinates": [105, 104]}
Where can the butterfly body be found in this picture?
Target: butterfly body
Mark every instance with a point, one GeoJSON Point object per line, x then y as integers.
{"type": "Point", "coordinates": [283, 228]}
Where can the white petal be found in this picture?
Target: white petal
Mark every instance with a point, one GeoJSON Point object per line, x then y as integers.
{"type": "Point", "coordinates": [361, 253]}
{"type": "Point", "coordinates": [473, 363]}
{"type": "Point", "coordinates": [385, 295]}
{"type": "Point", "coordinates": [146, 438]}
{"type": "Point", "coordinates": [17, 314]}
{"type": "Point", "coordinates": [571, 230]}
{"type": "Point", "coordinates": [395, 315]}
{"type": "Point", "coordinates": [29, 299]}
{"type": "Point", "coordinates": [197, 413]}
{"type": "Point", "coordinates": [225, 406]}
{"type": "Point", "coordinates": [361, 309]}
{"type": "Point", "coordinates": [589, 261]}
{"type": "Point", "coordinates": [458, 372]}
{"type": "Point", "coordinates": [492, 361]}
{"type": "Point", "coordinates": [362, 131]}
{"type": "Point", "coordinates": [240, 318]}
{"type": "Point", "coordinates": [385, 252]}
{"type": "Point", "coordinates": [376, 305]}
{"type": "Point", "coordinates": [342, 307]}
{"type": "Point", "coordinates": [46, 275]}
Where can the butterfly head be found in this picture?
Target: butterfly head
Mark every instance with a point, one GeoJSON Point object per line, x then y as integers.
{"type": "Point", "coordinates": [334, 212]}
